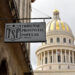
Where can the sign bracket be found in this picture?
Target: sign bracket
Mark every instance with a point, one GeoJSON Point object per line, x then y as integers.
{"type": "Point", "coordinates": [25, 18]}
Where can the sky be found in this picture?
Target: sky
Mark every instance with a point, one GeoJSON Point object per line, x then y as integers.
{"type": "Point", "coordinates": [44, 8]}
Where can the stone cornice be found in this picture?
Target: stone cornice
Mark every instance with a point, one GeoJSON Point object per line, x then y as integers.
{"type": "Point", "coordinates": [39, 71]}
{"type": "Point", "coordinates": [48, 47]}
{"type": "Point", "coordinates": [55, 64]}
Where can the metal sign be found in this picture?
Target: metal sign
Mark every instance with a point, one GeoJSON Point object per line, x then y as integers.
{"type": "Point", "coordinates": [25, 32]}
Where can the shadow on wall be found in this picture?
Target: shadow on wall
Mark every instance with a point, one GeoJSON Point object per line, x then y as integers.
{"type": "Point", "coordinates": [4, 67]}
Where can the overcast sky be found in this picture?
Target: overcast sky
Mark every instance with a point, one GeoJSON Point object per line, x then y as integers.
{"type": "Point", "coordinates": [44, 8]}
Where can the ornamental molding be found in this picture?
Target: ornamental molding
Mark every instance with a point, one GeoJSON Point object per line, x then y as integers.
{"type": "Point", "coordinates": [52, 64]}
{"type": "Point", "coordinates": [50, 71]}
{"type": "Point", "coordinates": [54, 47]}
{"type": "Point", "coordinates": [59, 33]}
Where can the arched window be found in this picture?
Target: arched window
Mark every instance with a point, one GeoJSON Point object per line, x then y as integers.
{"type": "Point", "coordinates": [58, 40]}
{"type": "Point", "coordinates": [71, 59]}
{"type": "Point", "coordinates": [51, 58]}
{"type": "Point", "coordinates": [64, 58]}
{"type": "Point", "coordinates": [59, 58]}
{"type": "Point", "coordinates": [51, 40]}
{"type": "Point", "coordinates": [45, 60]}
{"type": "Point", "coordinates": [70, 41]}
{"type": "Point", "coordinates": [64, 40]}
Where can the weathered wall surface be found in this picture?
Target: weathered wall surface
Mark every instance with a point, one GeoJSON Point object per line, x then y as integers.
{"type": "Point", "coordinates": [11, 52]}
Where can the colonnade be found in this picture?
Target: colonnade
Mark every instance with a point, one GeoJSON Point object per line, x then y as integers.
{"type": "Point", "coordinates": [56, 56]}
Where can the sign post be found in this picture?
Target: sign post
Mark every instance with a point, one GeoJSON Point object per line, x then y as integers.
{"type": "Point", "coordinates": [25, 32]}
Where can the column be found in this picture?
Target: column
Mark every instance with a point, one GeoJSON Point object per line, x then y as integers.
{"type": "Point", "coordinates": [41, 58]}
{"type": "Point", "coordinates": [69, 57]}
{"type": "Point", "coordinates": [56, 57]}
{"type": "Point", "coordinates": [48, 57]}
{"type": "Point", "coordinates": [44, 58]}
{"type": "Point", "coordinates": [61, 55]}
{"type": "Point", "coordinates": [73, 57]}
{"type": "Point", "coordinates": [52, 56]}
{"type": "Point", "coordinates": [37, 60]}
{"type": "Point", "coordinates": [65, 56]}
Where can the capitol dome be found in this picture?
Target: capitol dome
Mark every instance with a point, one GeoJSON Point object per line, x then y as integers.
{"type": "Point", "coordinates": [57, 26]}
{"type": "Point", "coordinates": [58, 52]}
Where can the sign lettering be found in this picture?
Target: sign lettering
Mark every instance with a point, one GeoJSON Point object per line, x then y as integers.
{"type": "Point", "coordinates": [25, 32]}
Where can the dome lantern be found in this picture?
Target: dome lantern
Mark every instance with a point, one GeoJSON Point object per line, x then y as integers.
{"type": "Point", "coordinates": [56, 14]}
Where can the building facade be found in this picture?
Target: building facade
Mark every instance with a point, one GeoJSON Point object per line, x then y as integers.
{"type": "Point", "coordinates": [21, 9]}
{"type": "Point", "coordinates": [57, 55]}
{"type": "Point", "coordinates": [14, 57]}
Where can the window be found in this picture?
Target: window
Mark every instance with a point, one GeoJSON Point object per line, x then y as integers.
{"type": "Point", "coordinates": [64, 58]}
{"type": "Point", "coordinates": [51, 59]}
{"type": "Point", "coordinates": [64, 40]}
{"type": "Point", "coordinates": [59, 58]}
{"type": "Point", "coordinates": [45, 60]}
{"type": "Point", "coordinates": [71, 59]}
{"type": "Point", "coordinates": [58, 40]}
{"type": "Point", "coordinates": [51, 40]}
{"type": "Point", "coordinates": [69, 41]}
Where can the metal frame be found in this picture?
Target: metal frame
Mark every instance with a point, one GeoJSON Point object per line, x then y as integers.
{"type": "Point", "coordinates": [25, 18]}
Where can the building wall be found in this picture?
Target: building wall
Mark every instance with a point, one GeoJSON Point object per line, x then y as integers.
{"type": "Point", "coordinates": [12, 53]}
{"type": "Point", "coordinates": [15, 62]}
{"type": "Point", "coordinates": [24, 9]}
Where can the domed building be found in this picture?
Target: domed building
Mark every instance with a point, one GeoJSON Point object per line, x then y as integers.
{"type": "Point", "coordinates": [57, 55]}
